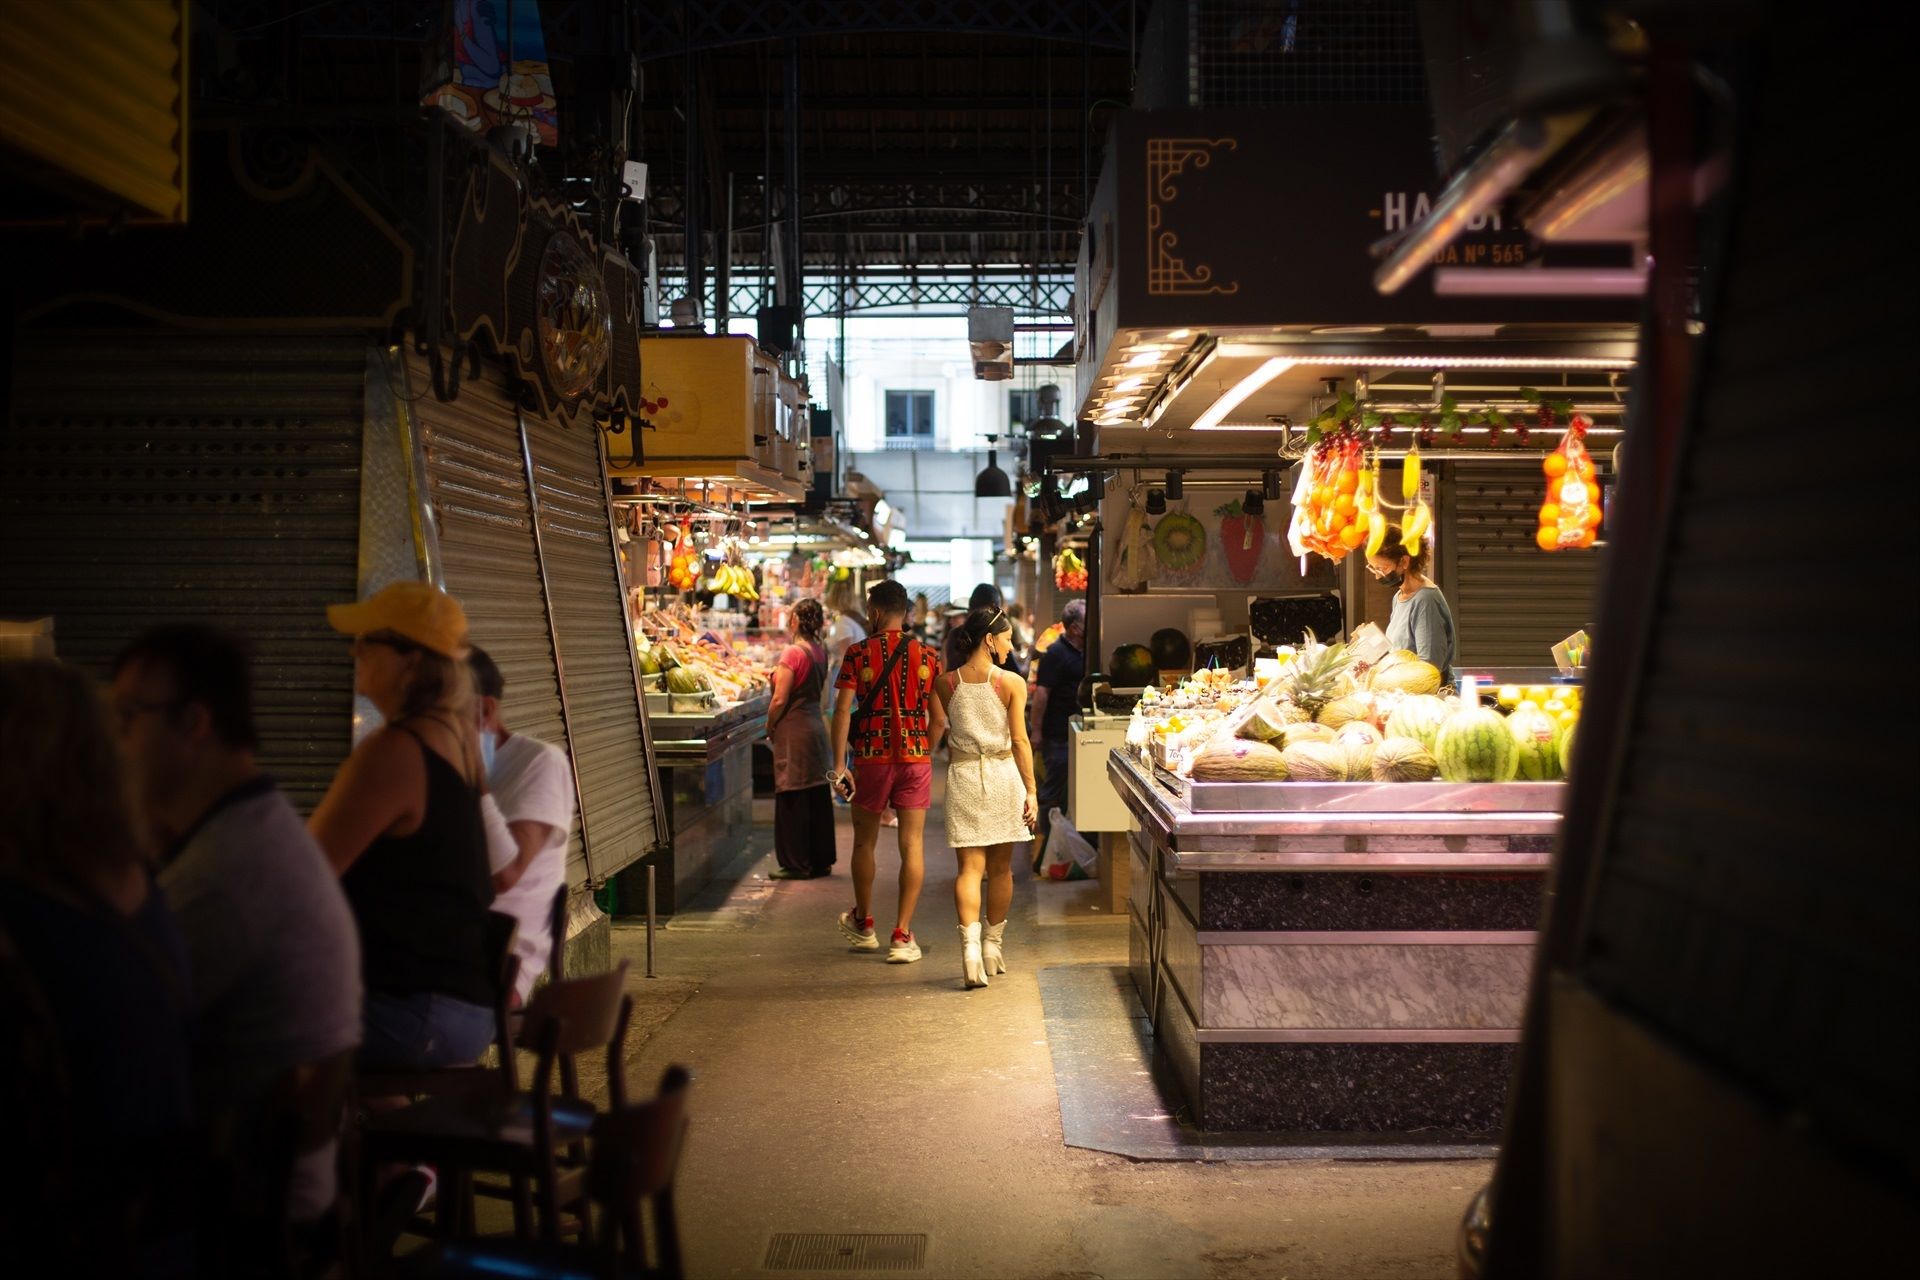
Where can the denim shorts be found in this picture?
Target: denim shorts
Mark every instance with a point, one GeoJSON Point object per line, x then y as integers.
{"type": "Point", "coordinates": [418, 1029]}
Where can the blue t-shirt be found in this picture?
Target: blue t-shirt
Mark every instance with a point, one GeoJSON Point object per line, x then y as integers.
{"type": "Point", "coordinates": [1424, 624]}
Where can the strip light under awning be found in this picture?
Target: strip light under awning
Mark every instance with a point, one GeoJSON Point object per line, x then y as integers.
{"type": "Point", "coordinates": [1227, 403]}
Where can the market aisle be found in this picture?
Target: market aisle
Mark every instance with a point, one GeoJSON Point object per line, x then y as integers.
{"type": "Point", "coordinates": [837, 1093]}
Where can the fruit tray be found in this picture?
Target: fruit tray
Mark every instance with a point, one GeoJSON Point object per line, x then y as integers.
{"type": "Point", "coordinates": [1372, 797]}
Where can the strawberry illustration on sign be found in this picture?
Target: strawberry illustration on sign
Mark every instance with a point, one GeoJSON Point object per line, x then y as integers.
{"type": "Point", "coordinates": [1242, 538]}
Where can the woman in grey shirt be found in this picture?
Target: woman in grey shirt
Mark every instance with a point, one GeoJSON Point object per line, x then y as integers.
{"type": "Point", "coordinates": [1421, 620]}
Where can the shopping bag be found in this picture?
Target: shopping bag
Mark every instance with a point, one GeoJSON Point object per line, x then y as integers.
{"type": "Point", "coordinates": [1069, 855]}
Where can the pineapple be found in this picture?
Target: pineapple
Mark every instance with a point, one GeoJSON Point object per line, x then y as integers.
{"type": "Point", "coordinates": [1318, 675]}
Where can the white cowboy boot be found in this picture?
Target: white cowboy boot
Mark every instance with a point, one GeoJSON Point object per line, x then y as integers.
{"type": "Point", "coordinates": [970, 965]}
{"type": "Point", "coordinates": [990, 954]}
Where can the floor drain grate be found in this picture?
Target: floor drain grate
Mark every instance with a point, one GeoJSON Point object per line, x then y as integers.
{"type": "Point", "coordinates": [845, 1251]}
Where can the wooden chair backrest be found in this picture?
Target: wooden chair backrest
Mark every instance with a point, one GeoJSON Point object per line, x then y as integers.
{"type": "Point", "coordinates": [636, 1149]}
{"type": "Point", "coordinates": [557, 922]}
{"type": "Point", "coordinates": [584, 1012]}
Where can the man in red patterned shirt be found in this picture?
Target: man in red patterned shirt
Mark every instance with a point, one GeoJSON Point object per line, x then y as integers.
{"type": "Point", "coordinates": [892, 675]}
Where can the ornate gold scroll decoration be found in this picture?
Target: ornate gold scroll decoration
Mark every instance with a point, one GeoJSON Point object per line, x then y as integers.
{"type": "Point", "coordinates": [1167, 159]}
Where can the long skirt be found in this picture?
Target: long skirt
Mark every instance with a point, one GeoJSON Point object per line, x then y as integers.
{"type": "Point", "coordinates": [803, 838]}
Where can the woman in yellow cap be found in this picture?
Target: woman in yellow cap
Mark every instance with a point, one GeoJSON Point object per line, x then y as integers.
{"type": "Point", "coordinates": [402, 826]}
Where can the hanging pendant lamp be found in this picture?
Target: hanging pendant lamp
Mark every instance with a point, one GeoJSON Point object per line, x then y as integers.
{"type": "Point", "coordinates": [992, 482]}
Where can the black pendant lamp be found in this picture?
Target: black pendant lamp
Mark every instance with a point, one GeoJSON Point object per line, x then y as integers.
{"type": "Point", "coordinates": [992, 482]}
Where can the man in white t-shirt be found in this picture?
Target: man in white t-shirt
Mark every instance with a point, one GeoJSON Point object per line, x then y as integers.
{"type": "Point", "coordinates": [531, 782]}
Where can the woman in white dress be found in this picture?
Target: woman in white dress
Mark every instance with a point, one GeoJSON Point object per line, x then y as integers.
{"type": "Point", "coordinates": [990, 793]}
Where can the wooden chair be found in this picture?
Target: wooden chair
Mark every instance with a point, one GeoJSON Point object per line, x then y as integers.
{"type": "Point", "coordinates": [635, 1158]}
{"type": "Point", "coordinates": [306, 1115]}
{"type": "Point", "coordinates": [520, 1133]}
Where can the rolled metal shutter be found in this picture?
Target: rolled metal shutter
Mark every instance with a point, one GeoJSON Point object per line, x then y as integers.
{"type": "Point", "coordinates": [150, 476]}
{"type": "Point", "coordinates": [612, 747]}
{"type": "Point", "coordinates": [488, 557]}
{"type": "Point", "coordinates": [1511, 601]}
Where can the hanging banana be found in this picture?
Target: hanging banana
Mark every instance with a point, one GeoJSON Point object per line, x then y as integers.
{"type": "Point", "coordinates": [1410, 474]}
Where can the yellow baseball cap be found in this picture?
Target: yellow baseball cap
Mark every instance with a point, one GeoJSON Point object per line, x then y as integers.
{"type": "Point", "coordinates": [420, 611]}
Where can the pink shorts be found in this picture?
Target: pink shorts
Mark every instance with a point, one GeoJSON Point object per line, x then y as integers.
{"type": "Point", "coordinates": [879, 785]}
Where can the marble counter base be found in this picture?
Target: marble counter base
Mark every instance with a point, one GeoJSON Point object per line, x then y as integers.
{"type": "Point", "coordinates": [1354, 1088]}
{"type": "Point", "coordinates": [1367, 901]}
{"type": "Point", "coordinates": [1294, 986]}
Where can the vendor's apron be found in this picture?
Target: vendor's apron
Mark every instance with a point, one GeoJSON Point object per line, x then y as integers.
{"type": "Point", "coordinates": [799, 741]}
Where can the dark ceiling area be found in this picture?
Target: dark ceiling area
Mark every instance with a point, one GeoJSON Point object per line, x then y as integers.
{"type": "Point", "coordinates": [924, 149]}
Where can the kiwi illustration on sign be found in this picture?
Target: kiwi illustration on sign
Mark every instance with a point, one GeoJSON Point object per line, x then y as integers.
{"type": "Point", "coordinates": [1180, 543]}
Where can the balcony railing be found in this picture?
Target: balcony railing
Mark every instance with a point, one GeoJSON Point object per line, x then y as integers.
{"type": "Point", "coordinates": [898, 444]}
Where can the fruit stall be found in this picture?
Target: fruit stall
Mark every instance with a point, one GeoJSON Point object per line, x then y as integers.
{"type": "Point", "coordinates": [726, 442]}
{"type": "Point", "coordinates": [1336, 872]}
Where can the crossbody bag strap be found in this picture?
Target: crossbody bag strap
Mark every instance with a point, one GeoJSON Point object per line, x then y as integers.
{"type": "Point", "coordinates": [870, 705]}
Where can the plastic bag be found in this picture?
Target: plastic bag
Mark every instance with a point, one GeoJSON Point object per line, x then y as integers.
{"type": "Point", "coordinates": [1069, 855]}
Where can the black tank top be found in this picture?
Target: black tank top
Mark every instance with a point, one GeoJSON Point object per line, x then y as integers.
{"type": "Point", "coordinates": [421, 900]}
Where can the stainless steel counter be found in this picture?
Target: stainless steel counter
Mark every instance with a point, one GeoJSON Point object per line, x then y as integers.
{"type": "Point", "coordinates": [699, 739]}
{"type": "Point", "coordinates": [1407, 839]}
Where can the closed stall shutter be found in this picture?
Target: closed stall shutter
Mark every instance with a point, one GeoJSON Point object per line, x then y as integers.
{"type": "Point", "coordinates": [489, 559]}
{"type": "Point", "coordinates": [150, 477]}
{"type": "Point", "coordinates": [1511, 601]}
{"type": "Point", "coordinates": [596, 646]}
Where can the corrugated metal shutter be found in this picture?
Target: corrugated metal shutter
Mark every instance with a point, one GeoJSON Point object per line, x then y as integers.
{"type": "Point", "coordinates": [152, 477]}
{"type": "Point", "coordinates": [1511, 601]}
{"type": "Point", "coordinates": [596, 649]}
{"type": "Point", "coordinates": [489, 559]}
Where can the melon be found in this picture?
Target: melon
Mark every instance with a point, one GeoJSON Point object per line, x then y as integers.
{"type": "Point", "coordinates": [1295, 734]}
{"type": "Point", "coordinates": [1419, 717]}
{"type": "Point", "coordinates": [1133, 667]}
{"type": "Point", "coordinates": [1264, 723]}
{"type": "Point", "coordinates": [1534, 734]}
{"type": "Point", "coordinates": [1403, 760]}
{"type": "Point", "coordinates": [1475, 745]}
{"type": "Point", "coordinates": [1315, 762]}
{"type": "Point", "coordinates": [1358, 733]}
{"type": "Point", "coordinates": [1358, 765]}
{"type": "Point", "coordinates": [1238, 760]}
{"type": "Point", "coordinates": [1342, 711]}
{"type": "Point", "coordinates": [682, 680]}
{"type": "Point", "coordinates": [1566, 750]}
{"type": "Point", "coordinates": [1400, 676]}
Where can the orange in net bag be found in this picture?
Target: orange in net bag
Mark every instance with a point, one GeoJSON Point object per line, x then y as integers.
{"type": "Point", "coordinates": [1570, 516]}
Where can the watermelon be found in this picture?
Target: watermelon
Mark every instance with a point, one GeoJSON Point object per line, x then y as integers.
{"type": "Point", "coordinates": [1475, 745]}
{"type": "Point", "coordinates": [1133, 667]}
{"type": "Point", "coordinates": [1403, 760]}
{"type": "Point", "coordinates": [1264, 723]}
{"type": "Point", "coordinates": [1171, 649]}
{"type": "Point", "coordinates": [1419, 717]}
{"type": "Point", "coordinates": [1534, 733]}
{"type": "Point", "coordinates": [1566, 750]}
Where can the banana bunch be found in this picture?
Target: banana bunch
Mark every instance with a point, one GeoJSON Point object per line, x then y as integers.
{"type": "Point", "coordinates": [734, 580]}
{"type": "Point", "coordinates": [1419, 517]}
{"type": "Point", "coordinates": [1366, 500]}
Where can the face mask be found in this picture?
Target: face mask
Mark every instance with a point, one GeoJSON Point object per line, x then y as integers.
{"type": "Point", "coordinates": [1393, 579]}
{"type": "Point", "coordinates": [489, 740]}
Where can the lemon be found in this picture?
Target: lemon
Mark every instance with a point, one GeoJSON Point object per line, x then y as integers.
{"type": "Point", "coordinates": [1509, 696]}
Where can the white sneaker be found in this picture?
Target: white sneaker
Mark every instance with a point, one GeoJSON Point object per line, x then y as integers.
{"type": "Point", "coordinates": [859, 932]}
{"type": "Point", "coordinates": [905, 949]}
{"type": "Point", "coordinates": [972, 972]}
{"type": "Point", "coordinates": [993, 960]}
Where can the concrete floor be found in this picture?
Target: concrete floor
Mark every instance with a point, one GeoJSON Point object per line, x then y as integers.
{"type": "Point", "coordinates": [837, 1093]}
